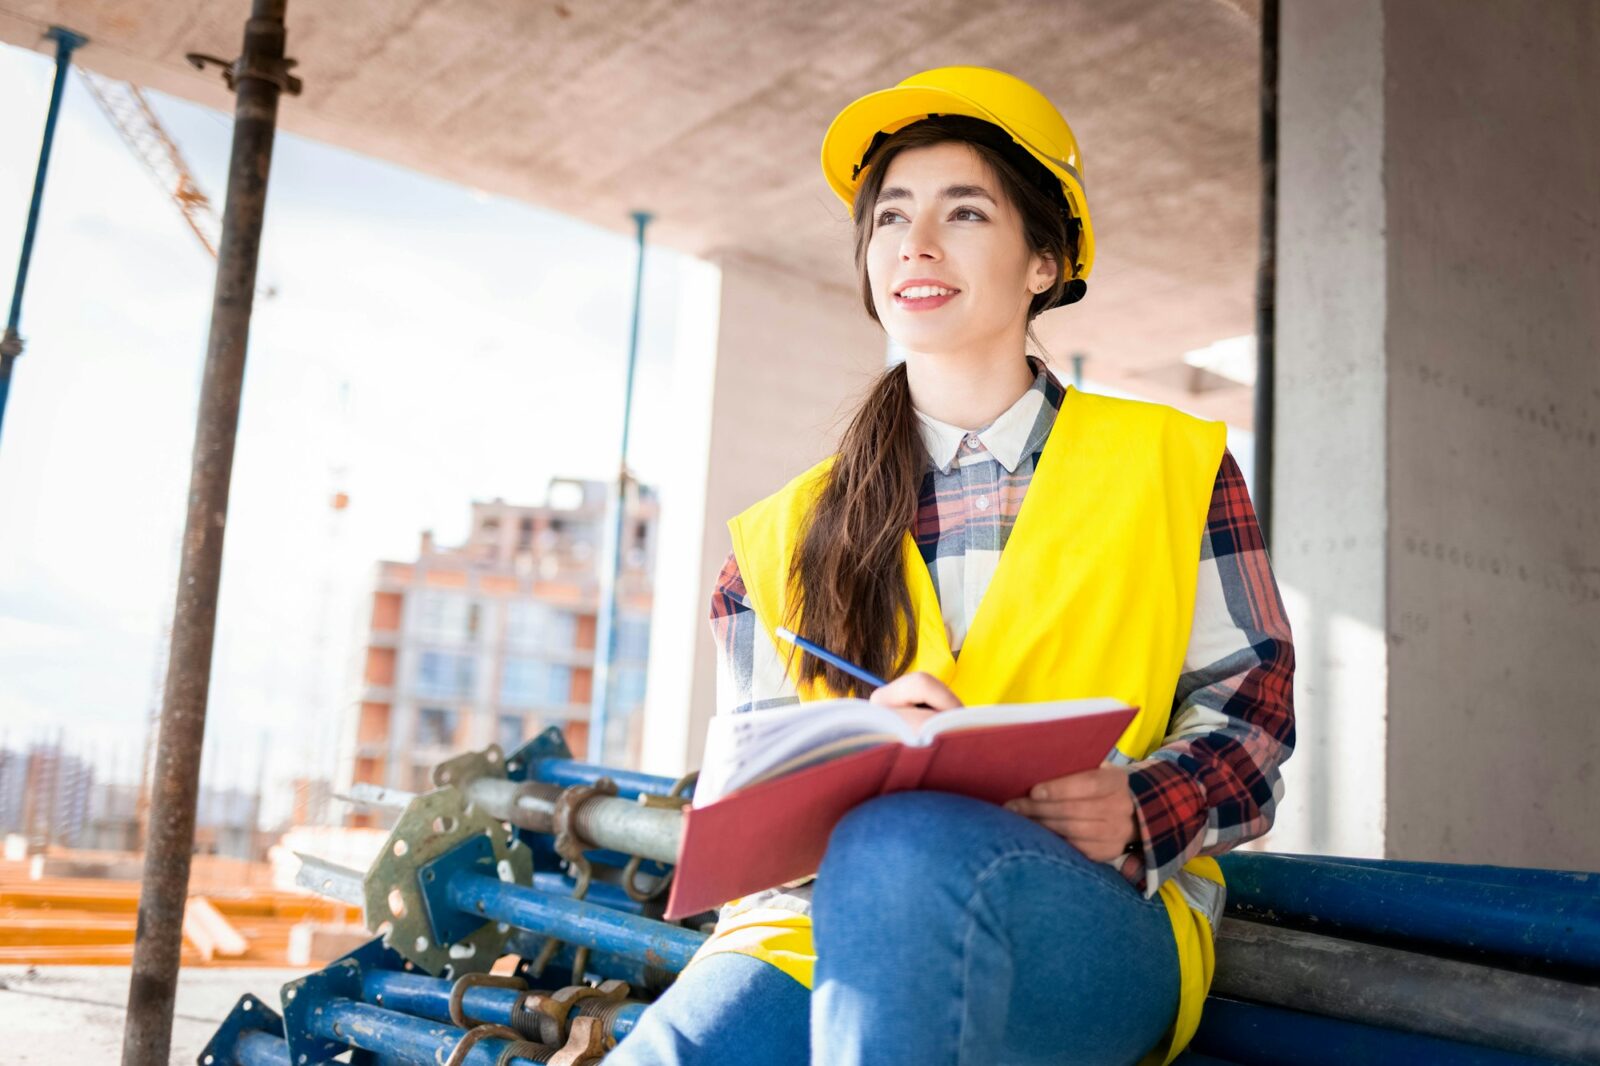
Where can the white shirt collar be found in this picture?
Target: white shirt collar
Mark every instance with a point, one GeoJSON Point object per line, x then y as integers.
{"type": "Point", "coordinates": [1005, 437]}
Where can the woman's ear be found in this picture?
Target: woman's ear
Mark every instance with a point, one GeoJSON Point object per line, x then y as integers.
{"type": "Point", "coordinates": [1043, 272]}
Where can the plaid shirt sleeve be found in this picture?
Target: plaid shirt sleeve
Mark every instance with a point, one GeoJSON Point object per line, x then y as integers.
{"type": "Point", "coordinates": [750, 673]}
{"type": "Point", "coordinates": [1215, 783]}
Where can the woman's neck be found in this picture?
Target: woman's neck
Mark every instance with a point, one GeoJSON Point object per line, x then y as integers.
{"type": "Point", "coordinates": [966, 393]}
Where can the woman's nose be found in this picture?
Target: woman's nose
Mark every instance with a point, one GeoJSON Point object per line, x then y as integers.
{"type": "Point", "coordinates": [919, 242]}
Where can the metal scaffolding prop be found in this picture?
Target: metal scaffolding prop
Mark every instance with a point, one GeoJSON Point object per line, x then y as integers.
{"type": "Point", "coordinates": [258, 77]}
{"type": "Point", "coordinates": [611, 566]}
{"type": "Point", "coordinates": [11, 340]}
{"type": "Point", "coordinates": [555, 870]}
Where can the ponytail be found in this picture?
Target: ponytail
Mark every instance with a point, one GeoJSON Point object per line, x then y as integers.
{"type": "Point", "coordinates": [850, 569]}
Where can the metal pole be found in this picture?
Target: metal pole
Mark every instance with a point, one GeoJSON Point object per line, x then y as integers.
{"type": "Point", "coordinates": [257, 77]}
{"type": "Point", "coordinates": [1437, 907]}
{"type": "Point", "coordinates": [1267, 271]}
{"type": "Point", "coordinates": [11, 340]}
{"type": "Point", "coordinates": [611, 570]}
{"type": "Point", "coordinates": [574, 921]}
{"type": "Point", "coordinates": [429, 997]}
{"type": "Point", "coordinates": [609, 822]}
{"type": "Point", "coordinates": [1408, 991]}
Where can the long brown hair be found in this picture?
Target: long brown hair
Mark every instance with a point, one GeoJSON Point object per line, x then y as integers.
{"type": "Point", "coordinates": [849, 572]}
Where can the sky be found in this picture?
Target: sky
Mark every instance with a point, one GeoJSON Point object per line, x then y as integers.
{"type": "Point", "coordinates": [415, 344]}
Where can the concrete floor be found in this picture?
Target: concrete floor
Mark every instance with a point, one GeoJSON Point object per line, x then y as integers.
{"type": "Point", "coordinates": [68, 1015]}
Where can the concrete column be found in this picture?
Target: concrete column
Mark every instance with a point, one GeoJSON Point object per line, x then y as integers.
{"type": "Point", "coordinates": [759, 401]}
{"type": "Point", "coordinates": [1438, 471]}
{"type": "Point", "coordinates": [1329, 541]}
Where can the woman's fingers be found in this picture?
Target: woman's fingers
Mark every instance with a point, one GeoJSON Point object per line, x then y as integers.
{"type": "Point", "coordinates": [914, 716]}
{"type": "Point", "coordinates": [1103, 810]}
{"type": "Point", "coordinates": [917, 688]}
{"type": "Point", "coordinates": [1098, 847]}
{"type": "Point", "coordinates": [1093, 810]}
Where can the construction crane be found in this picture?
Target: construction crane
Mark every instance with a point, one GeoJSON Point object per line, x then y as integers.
{"type": "Point", "coordinates": [135, 120]}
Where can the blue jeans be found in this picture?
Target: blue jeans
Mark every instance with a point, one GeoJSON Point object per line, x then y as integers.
{"type": "Point", "coordinates": [948, 930]}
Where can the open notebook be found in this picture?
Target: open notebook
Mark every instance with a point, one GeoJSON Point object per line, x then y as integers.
{"type": "Point", "coordinates": [775, 782]}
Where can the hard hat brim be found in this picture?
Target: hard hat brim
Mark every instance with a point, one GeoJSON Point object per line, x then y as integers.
{"type": "Point", "coordinates": [888, 110]}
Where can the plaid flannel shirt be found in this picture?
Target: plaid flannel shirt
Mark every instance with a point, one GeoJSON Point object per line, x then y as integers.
{"type": "Point", "coordinates": [1214, 783]}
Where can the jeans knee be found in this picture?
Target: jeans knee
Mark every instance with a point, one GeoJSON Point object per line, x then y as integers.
{"type": "Point", "coordinates": [901, 830]}
{"type": "Point", "coordinates": [896, 842]}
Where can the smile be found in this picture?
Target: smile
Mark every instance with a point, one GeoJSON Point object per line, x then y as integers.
{"type": "Point", "coordinates": [924, 297]}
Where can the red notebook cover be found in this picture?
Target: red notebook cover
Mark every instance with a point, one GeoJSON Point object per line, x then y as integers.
{"type": "Point", "coordinates": [776, 831]}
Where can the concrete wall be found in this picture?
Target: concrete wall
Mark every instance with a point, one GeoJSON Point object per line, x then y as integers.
{"type": "Point", "coordinates": [1330, 523]}
{"type": "Point", "coordinates": [1438, 474]}
{"type": "Point", "coordinates": [790, 359]}
{"type": "Point", "coordinates": [1492, 176]}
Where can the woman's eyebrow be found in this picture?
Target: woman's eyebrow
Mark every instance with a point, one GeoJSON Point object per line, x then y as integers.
{"type": "Point", "coordinates": [951, 192]}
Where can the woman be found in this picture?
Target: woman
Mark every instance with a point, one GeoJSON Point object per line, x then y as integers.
{"type": "Point", "coordinates": [985, 535]}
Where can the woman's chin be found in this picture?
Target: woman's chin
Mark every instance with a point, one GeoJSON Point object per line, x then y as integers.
{"type": "Point", "coordinates": [928, 343]}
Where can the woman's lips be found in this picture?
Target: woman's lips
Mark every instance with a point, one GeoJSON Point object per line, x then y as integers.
{"type": "Point", "coordinates": [925, 303]}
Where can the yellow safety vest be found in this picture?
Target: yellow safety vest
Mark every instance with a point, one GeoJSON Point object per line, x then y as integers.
{"type": "Point", "coordinates": [1092, 596]}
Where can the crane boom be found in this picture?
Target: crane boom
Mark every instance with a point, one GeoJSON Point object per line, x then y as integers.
{"type": "Point", "coordinates": [135, 120]}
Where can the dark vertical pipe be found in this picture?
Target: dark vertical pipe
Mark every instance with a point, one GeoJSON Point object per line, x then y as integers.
{"type": "Point", "coordinates": [11, 341]}
{"type": "Point", "coordinates": [605, 640]}
{"type": "Point", "coordinates": [258, 78]}
{"type": "Point", "coordinates": [1267, 269]}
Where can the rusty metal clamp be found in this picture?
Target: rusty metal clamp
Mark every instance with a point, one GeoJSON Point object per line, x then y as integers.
{"type": "Point", "coordinates": [586, 1045]}
{"type": "Point", "coordinates": [571, 846]}
{"type": "Point", "coordinates": [472, 1036]}
{"type": "Point", "coordinates": [548, 1015]}
{"type": "Point", "coordinates": [673, 800]}
{"type": "Point", "coordinates": [568, 844]}
{"type": "Point", "coordinates": [458, 991]}
{"type": "Point", "coordinates": [250, 65]}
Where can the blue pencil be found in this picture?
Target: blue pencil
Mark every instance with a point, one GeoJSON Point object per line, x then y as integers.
{"type": "Point", "coordinates": [833, 660]}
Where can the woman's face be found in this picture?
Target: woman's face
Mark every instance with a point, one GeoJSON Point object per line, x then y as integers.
{"type": "Point", "coordinates": [949, 269]}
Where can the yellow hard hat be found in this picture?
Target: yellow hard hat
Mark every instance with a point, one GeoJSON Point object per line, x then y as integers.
{"type": "Point", "coordinates": [991, 95]}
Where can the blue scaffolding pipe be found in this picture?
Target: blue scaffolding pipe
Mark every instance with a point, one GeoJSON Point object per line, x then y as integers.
{"type": "Point", "coordinates": [394, 1038]}
{"type": "Point", "coordinates": [599, 966]}
{"type": "Point", "coordinates": [11, 341]}
{"type": "Point", "coordinates": [568, 772]}
{"type": "Point", "coordinates": [260, 1049]}
{"type": "Point", "coordinates": [601, 892]}
{"type": "Point", "coordinates": [399, 1038]}
{"type": "Point", "coordinates": [664, 946]}
{"type": "Point", "coordinates": [1511, 876]}
{"type": "Point", "coordinates": [1254, 1034]}
{"type": "Point", "coordinates": [429, 997]}
{"type": "Point", "coordinates": [605, 641]}
{"type": "Point", "coordinates": [1543, 915]}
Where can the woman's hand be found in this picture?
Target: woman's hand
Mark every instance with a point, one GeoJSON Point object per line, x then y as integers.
{"type": "Point", "coordinates": [1093, 810]}
{"type": "Point", "coordinates": [916, 697]}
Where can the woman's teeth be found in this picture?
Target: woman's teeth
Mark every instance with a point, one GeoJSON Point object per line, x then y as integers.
{"type": "Point", "coordinates": [922, 292]}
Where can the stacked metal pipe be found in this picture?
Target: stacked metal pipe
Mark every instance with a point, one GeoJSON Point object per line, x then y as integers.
{"type": "Point", "coordinates": [550, 873]}
{"type": "Point", "coordinates": [1331, 960]}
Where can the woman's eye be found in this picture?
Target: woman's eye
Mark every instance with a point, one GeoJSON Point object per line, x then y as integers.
{"type": "Point", "coordinates": [961, 214]}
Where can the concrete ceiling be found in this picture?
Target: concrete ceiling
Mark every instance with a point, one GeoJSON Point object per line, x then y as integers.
{"type": "Point", "coordinates": [709, 114]}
